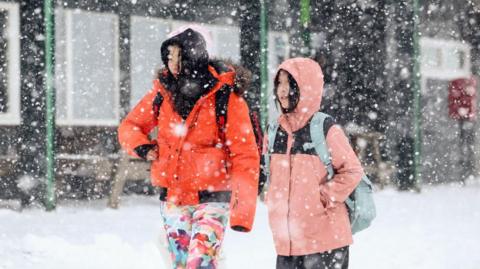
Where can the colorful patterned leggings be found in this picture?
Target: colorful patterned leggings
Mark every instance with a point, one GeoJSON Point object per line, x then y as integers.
{"type": "Point", "coordinates": [194, 233]}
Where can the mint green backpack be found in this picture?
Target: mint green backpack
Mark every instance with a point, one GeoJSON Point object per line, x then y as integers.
{"type": "Point", "coordinates": [360, 204]}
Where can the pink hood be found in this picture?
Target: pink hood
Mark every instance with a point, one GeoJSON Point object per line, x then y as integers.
{"type": "Point", "coordinates": [309, 77]}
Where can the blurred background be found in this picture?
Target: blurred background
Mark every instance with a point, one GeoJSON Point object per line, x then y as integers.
{"type": "Point", "coordinates": [400, 76]}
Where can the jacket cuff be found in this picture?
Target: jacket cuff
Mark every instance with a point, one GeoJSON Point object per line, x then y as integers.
{"type": "Point", "coordinates": [240, 222]}
{"type": "Point", "coordinates": [143, 150]}
{"type": "Point", "coordinates": [239, 228]}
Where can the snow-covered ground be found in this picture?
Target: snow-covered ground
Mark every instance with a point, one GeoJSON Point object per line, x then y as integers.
{"type": "Point", "coordinates": [439, 228]}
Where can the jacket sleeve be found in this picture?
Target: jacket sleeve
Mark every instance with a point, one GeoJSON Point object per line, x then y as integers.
{"type": "Point", "coordinates": [244, 160]}
{"type": "Point", "coordinates": [347, 167]}
{"type": "Point", "coordinates": [135, 127]}
{"type": "Point", "coordinates": [263, 169]}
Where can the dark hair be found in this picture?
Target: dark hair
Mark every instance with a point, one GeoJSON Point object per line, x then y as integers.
{"type": "Point", "coordinates": [294, 92]}
{"type": "Point", "coordinates": [194, 50]}
{"type": "Point", "coordinates": [194, 79]}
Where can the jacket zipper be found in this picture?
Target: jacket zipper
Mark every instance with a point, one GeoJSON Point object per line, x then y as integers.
{"type": "Point", "coordinates": [289, 192]}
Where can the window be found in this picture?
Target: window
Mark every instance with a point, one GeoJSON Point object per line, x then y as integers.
{"type": "Point", "coordinates": [87, 68]}
{"type": "Point", "coordinates": [444, 59]}
{"type": "Point", "coordinates": [225, 40]}
{"type": "Point", "coordinates": [147, 35]}
{"type": "Point", "coordinates": [9, 64]}
{"type": "Point", "coordinates": [432, 58]}
{"type": "Point", "coordinates": [278, 51]}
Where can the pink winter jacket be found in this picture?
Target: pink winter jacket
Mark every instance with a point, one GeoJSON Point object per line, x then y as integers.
{"type": "Point", "coordinates": [308, 215]}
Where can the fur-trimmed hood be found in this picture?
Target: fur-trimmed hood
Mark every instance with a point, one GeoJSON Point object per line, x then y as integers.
{"type": "Point", "coordinates": [194, 50]}
{"type": "Point", "coordinates": [242, 76]}
{"type": "Point", "coordinates": [195, 57]}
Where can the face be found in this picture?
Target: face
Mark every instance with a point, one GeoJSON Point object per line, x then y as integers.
{"type": "Point", "coordinates": [174, 59]}
{"type": "Point", "coordinates": [283, 89]}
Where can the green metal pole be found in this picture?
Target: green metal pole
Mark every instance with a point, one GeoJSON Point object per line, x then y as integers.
{"type": "Point", "coordinates": [264, 63]}
{"type": "Point", "coordinates": [416, 99]}
{"type": "Point", "coordinates": [50, 201]}
{"type": "Point", "coordinates": [305, 26]}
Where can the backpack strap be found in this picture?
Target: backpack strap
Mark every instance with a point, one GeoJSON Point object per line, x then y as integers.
{"type": "Point", "coordinates": [360, 204]}
{"type": "Point", "coordinates": [318, 132]}
{"type": "Point", "coordinates": [221, 107]}
{"type": "Point", "coordinates": [257, 130]}
{"type": "Point", "coordinates": [272, 129]}
{"type": "Point", "coordinates": [157, 103]}
{"type": "Point", "coordinates": [221, 104]}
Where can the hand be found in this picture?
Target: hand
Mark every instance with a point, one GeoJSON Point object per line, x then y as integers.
{"type": "Point", "coordinates": [152, 155]}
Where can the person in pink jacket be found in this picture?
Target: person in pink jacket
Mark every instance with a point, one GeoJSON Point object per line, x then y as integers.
{"type": "Point", "coordinates": [307, 215]}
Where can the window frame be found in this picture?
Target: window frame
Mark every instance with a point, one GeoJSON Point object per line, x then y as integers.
{"type": "Point", "coordinates": [442, 48]}
{"type": "Point", "coordinates": [174, 24]}
{"type": "Point", "coordinates": [272, 68]}
{"type": "Point", "coordinates": [12, 116]}
{"type": "Point", "coordinates": [133, 19]}
{"type": "Point", "coordinates": [214, 50]}
{"type": "Point", "coordinates": [70, 120]}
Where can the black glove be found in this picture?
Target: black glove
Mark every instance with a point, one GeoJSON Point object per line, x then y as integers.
{"type": "Point", "coordinates": [263, 176]}
{"type": "Point", "coordinates": [239, 228]}
{"type": "Point", "coordinates": [143, 150]}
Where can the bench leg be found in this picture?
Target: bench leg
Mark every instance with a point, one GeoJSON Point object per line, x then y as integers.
{"type": "Point", "coordinates": [117, 188]}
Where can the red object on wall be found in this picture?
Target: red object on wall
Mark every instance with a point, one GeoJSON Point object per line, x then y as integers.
{"type": "Point", "coordinates": [462, 99]}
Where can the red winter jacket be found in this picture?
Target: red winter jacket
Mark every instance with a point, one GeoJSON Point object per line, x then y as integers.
{"type": "Point", "coordinates": [192, 167]}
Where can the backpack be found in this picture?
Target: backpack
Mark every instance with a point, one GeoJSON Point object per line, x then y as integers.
{"type": "Point", "coordinates": [360, 203]}
{"type": "Point", "coordinates": [221, 107]}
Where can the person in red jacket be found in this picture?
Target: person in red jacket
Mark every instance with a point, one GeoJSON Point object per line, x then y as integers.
{"type": "Point", "coordinates": [207, 175]}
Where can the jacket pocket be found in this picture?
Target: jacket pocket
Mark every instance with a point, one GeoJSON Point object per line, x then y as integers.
{"type": "Point", "coordinates": [208, 167]}
{"type": "Point", "coordinates": [160, 170]}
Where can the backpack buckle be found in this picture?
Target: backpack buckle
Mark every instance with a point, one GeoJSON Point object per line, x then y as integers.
{"type": "Point", "coordinates": [307, 146]}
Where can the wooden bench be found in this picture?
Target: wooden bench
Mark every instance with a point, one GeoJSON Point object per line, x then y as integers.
{"type": "Point", "coordinates": [7, 163]}
{"type": "Point", "coordinates": [367, 147]}
{"type": "Point", "coordinates": [97, 166]}
{"type": "Point", "coordinates": [127, 168]}
{"type": "Point", "coordinates": [109, 170]}
{"type": "Point", "coordinates": [83, 175]}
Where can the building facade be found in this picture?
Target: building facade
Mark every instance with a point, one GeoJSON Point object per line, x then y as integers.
{"type": "Point", "coordinates": [106, 54]}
